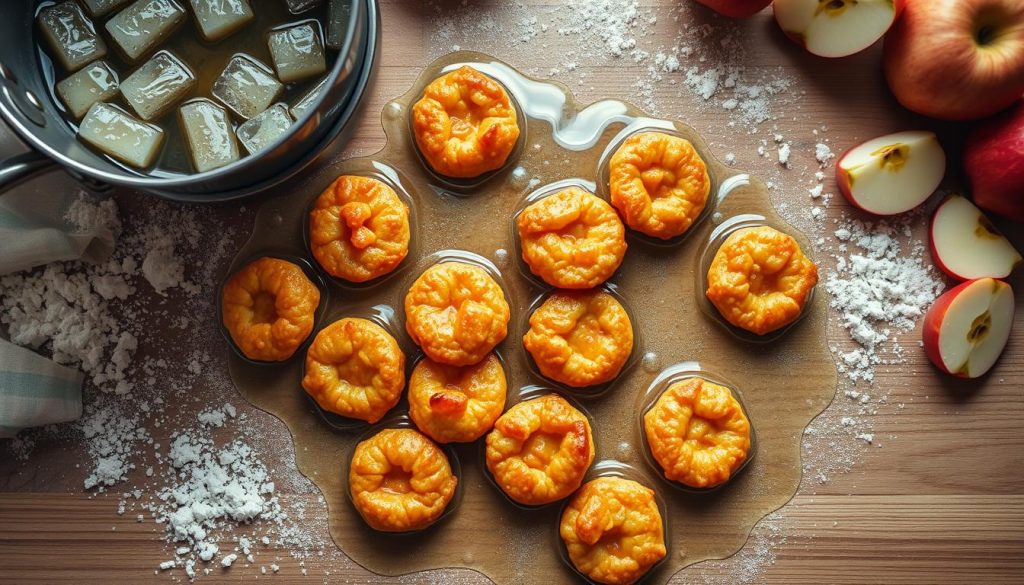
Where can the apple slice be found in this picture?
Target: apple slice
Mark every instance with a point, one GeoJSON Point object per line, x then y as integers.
{"type": "Point", "coordinates": [892, 174]}
{"type": "Point", "coordinates": [966, 329]}
{"type": "Point", "coordinates": [736, 8]}
{"type": "Point", "coordinates": [836, 28]}
{"type": "Point", "coordinates": [965, 244]}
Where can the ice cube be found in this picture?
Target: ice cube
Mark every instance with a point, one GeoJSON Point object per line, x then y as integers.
{"type": "Point", "coordinates": [246, 86]}
{"type": "Point", "coordinates": [306, 102]}
{"type": "Point", "coordinates": [156, 86]}
{"type": "Point", "coordinates": [259, 132]}
{"type": "Point", "coordinates": [101, 7]}
{"type": "Point", "coordinates": [338, 14]}
{"type": "Point", "coordinates": [138, 29]}
{"type": "Point", "coordinates": [297, 51]}
{"type": "Point", "coordinates": [217, 19]}
{"type": "Point", "coordinates": [297, 6]}
{"type": "Point", "coordinates": [118, 134]}
{"type": "Point", "coordinates": [96, 83]}
{"type": "Point", "coordinates": [208, 131]}
{"type": "Point", "coordinates": [71, 35]}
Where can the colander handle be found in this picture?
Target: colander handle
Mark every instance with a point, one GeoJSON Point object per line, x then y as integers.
{"type": "Point", "coordinates": [23, 166]}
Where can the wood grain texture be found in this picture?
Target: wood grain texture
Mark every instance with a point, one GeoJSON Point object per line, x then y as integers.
{"type": "Point", "coordinates": [938, 499]}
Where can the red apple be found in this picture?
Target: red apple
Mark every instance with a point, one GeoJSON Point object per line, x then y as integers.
{"type": "Point", "coordinates": [736, 8]}
{"type": "Point", "coordinates": [994, 161]}
{"type": "Point", "coordinates": [966, 329]}
{"type": "Point", "coordinates": [957, 59]}
{"type": "Point", "coordinates": [965, 244]}
{"type": "Point", "coordinates": [836, 28]}
{"type": "Point", "coordinates": [892, 174]}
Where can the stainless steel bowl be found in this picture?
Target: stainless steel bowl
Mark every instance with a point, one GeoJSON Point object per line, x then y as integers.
{"type": "Point", "coordinates": [26, 107]}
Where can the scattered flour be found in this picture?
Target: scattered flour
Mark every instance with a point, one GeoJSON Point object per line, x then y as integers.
{"type": "Point", "coordinates": [201, 489]}
{"type": "Point", "coordinates": [879, 290]}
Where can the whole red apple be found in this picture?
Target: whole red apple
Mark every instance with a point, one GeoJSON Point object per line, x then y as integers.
{"type": "Point", "coordinates": [957, 59]}
{"type": "Point", "coordinates": [994, 162]}
{"type": "Point", "coordinates": [736, 8]}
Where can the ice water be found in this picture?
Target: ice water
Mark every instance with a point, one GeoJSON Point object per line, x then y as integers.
{"type": "Point", "coordinates": [297, 51]}
{"type": "Point", "coordinates": [209, 134]}
{"type": "Point", "coordinates": [297, 6]}
{"type": "Point", "coordinates": [117, 133]}
{"type": "Point", "coordinates": [138, 29]}
{"type": "Point", "coordinates": [261, 131]}
{"type": "Point", "coordinates": [158, 85]}
{"type": "Point", "coordinates": [101, 7]}
{"type": "Point", "coordinates": [338, 14]}
{"type": "Point", "coordinates": [247, 86]}
{"type": "Point", "coordinates": [97, 82]}
{"type": "Point", "coordinates": [71, 35]}
{"type": "Point", "coordinates": [307, 101]}
{"type": "Point", "coordinates": [217, 19]}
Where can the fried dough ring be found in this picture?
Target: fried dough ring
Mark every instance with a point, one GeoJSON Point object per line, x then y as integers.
{"type": "Point", "coordinates": [613, 530]}
{"type": "Point", "coordinates": [759, 279]}
{"type": "Point", "coordinates": [399, 481]}
{"type": "Point", "coordinates": [354, 368]}
{"type": "Point", "coordinates": [698, 433]}
{"type": "Point", "coordinates": [465, 124]}
{"type": "Point", "coordinates": [540, 450]}
{"type": "Point", "coordinates": [658, 183]}
{"type": "Point", "coordinates": [268, 307]}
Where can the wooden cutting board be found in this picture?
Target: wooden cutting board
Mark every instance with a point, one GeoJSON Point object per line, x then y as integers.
{"type": "Point", "coordinates": [940, 499]}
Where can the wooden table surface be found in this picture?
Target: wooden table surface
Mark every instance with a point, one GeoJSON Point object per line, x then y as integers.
{"type": "Point", "coordinates": [938, 499]}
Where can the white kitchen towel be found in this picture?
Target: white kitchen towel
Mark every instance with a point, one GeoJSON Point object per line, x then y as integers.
{"type": "Point", "coordinates": [34, 230]}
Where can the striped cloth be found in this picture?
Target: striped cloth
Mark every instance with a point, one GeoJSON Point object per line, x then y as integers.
{"type": "Point", "coordinates": [34, 390]}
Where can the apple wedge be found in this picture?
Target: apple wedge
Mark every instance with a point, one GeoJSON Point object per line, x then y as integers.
{"type": "Point", "coordinates": [892, 174]}
{"type": "Point", "coordinates": [965, 244]}
{"type": "Point", "coordinates": [966, 329]}
{"type": "Point", "coordinates": [836, 28]}
{"type": "Point", "coordinates": [736, 8]}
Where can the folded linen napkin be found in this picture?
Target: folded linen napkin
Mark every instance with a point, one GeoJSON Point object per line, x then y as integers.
{"type": "Point", "coordinates": [35, 230]}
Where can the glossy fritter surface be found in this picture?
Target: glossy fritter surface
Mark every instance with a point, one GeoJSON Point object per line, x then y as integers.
{"type": "Point", "coordinates": [658, 183]}
{"type": "Point", "coordinates": [580, 338]}
{"type": "Point", "coordinates": [399, 480]}
{"type": "Point", "coordinates": [465, 124]}
{"type": "Point", "coordinates": [572, 239]}
{"type": "Point", "coordinates": [456, 313]}
{"type": "Point", "coordinates": [456, 403]}
{"type": "Point", "coordinates": [268, 307]}
{"type": "Point", "coordinates": [698, 433]}
{"type": "Point", "coordinates": [359, 229]}
{"type": "Point", "coordinates": [540, 450]}
{"type": "Point", "coordinates": [759, 279]}
{"type": "Point", "coordinates": [354, 368]}
{"type": "Point", "coordinates": [613, 531]}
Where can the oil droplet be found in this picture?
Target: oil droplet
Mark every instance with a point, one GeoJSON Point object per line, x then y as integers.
{"type": "Point", "coordinates": [625, 450]}
{"type": "Point", "coordinates": [501, 256]}
{"type": "Point", "coordinates": [716, 217]}
{"type": "Point", "coordinates": [651, 363]}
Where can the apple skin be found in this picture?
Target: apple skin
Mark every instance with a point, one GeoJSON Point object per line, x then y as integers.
{"type": "Point", "coordinates": [935, 65]}
{"type": "Point", "coordinates": [934, 318]}
{"type": "Point", "coordinates": [933, 323]}
{"type": "Point", "coordinates": [736, 8]}
{"type": "Point", "coordinates": [994, 163]}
